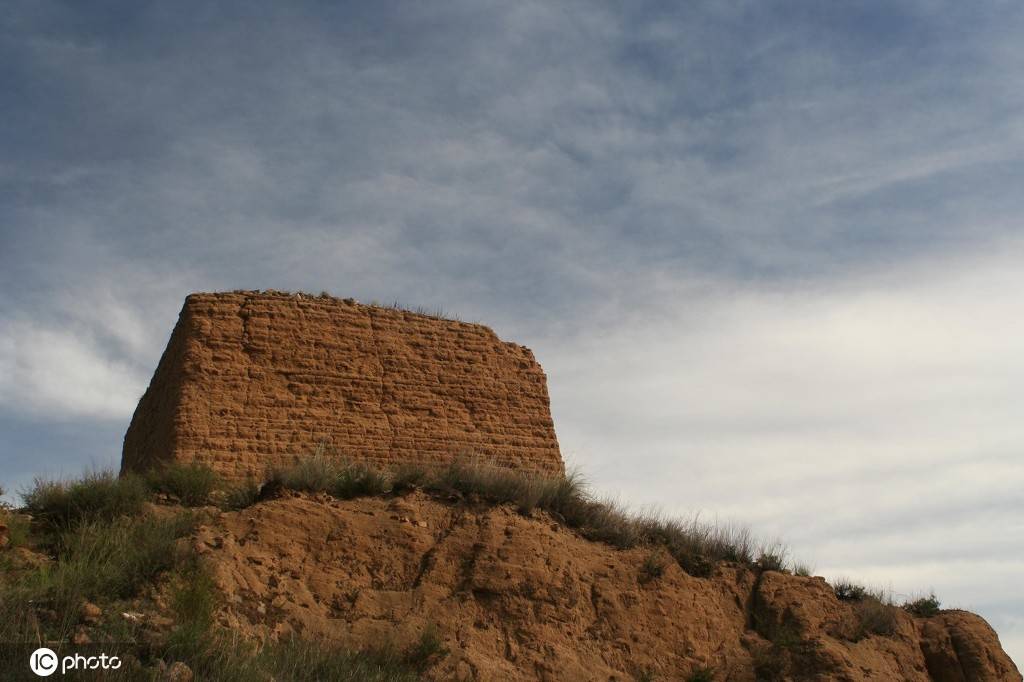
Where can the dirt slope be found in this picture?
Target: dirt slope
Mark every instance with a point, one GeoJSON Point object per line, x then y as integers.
{"type": "Point", "coordinates": [523, 598]}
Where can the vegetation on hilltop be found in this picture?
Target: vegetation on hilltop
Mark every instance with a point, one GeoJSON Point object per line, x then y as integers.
{"type": "Point", "coordinates": [95, 560]}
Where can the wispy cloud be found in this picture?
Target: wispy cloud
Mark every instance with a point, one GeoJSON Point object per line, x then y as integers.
{"type": "Point", "coordinates": [47, 371]}
{"type": "Point", "coordinates": [872, 422]}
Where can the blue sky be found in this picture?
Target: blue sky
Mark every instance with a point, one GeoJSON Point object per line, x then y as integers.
{"type": "Point", "coordinates": [767, 252]}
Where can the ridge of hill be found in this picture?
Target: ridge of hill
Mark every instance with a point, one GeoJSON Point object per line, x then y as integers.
{"type": "Point", "coordinates": [471, 574]}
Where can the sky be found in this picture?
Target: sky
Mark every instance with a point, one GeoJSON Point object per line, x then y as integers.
{"type": "Point", "coordinates": [768, 253]}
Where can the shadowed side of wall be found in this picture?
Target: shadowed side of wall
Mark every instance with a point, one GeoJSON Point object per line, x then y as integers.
{"type": "Point", "coordinates": [251, 381]}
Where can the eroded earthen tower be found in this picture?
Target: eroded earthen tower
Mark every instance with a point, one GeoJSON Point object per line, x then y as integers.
{"type": "Point", "coordinates": [251, 381]}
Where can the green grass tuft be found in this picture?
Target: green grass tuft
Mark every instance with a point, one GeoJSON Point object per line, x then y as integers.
{"type": "Point", "coordinates": [112, 559]}
{"type": "Point", "coordinates": [874, 617]}
{"type": "Point", "coordinates": [771, 561]}
{"type": "Point", "coordinates": [99, 495]}
{"type": "Point", "coordinates": [315, 474]}
{"type": "Point", "coordinates": [652, 568]}
{"type": "Point", "coordinates": [924, 607]}
{"type": "Point", "coordinates": [427, 650]}
{"type": "Point", "coordinates": [702, 674]}
{"type": "Point", "coordinates": [803, 570]}
{"type": "Point", "coordinates": [96, 560]}
{"type": "Point", "coordinates": [241, 496]}
{"type": "Point", "coordinates": [358, 480]}
{"type": "Point", "coordinates": [18, 527]}
{"type": "Point", "coordinates": [408, 477]}
{"type": "Point", "coordinates": [311, 661]}
{"type": "Point", "coordinates": [192, 484]}
{"type": "Point", "coordinates": [848, 591]}
{"type": "Point", "coordinates": [322, 474]}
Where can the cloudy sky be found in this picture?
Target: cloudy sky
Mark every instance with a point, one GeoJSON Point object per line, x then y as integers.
{"type": "Point", "coordinates": [769, 253]}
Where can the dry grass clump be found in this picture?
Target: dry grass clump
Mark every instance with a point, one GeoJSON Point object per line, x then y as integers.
{"type": "Point", "coordinates": [701, 674]}
{"type": "Point", "coordinates": [507, 486]}
{"type": "Point", "coordinates": [242, 495]}
{"type": "Point", "coordinates": [192, 484]}
{"type": "Point", "coordinates": [98, 495]}
{"type": "Point", "coordinates": [802, 569]}
{"type": "Point", "coordinates": [322, 474]}
{"type": "Point", "coordinates": [14, 527]}
{"type": "Point", "coordinates": [694, 544]}
{"type": "Point", "coordinates": [653, 567]}
{"type": "Point", "coordinates": [874, 617]}
{"type": "Point", "coordinates": [96, 560]}
{"type": "Point", "coordinates": [873, 609]}
{"type": "Point", "coordinates": [924, 607]}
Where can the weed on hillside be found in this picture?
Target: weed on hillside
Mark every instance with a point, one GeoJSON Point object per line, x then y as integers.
{"type": "Point", "coordinates": [100, 552]}
{"type": "Point", "coordinates": [192, 484]}
{"type": "Point", "coordinates": [874, 611]}
{"type": "Point", "coordinates": [695, 545]}
{"type": "Point", "coordinates": [924, 607]}
{"type": "Point", "coordinates": [99, 495]}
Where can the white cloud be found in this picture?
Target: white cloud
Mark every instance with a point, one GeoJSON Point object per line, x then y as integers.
{"type": "Point", "coordinates": [874, 423]}
{"type": "Point", "coordinates": [55, 373]}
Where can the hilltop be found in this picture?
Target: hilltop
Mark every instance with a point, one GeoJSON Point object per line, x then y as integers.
{"type": "Point", "coordinates": [473, 573]}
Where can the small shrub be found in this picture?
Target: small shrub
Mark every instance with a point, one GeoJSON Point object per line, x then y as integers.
{"type": "Point", "coordinates": [603, 521]}
{"type": "Point", "coordinates": [96, 560]}
{"type": "Point", "coordinates": [193, 599]}
{"type": "Point", "coordinates": [848, 591]}
{"type": "Point", "coordinates": [190, 483]}
{"type": "Point", "coordinates": [322, 474]}
{"type": "Point", "coordinates": [803, 570]}
{"type": "Point", "coordinates": [314, 474]}
{"type": "Point", "coordinates": [427, 650]}
{"type": "Point", "coordinates": [241, 496]}
{"type": "Point", "coordinates": [874, 617]}
{"type": "Point", "coordinates": [645, 675]}
{"type": "Point", "coordinates": [697, 546]}
{"type": "Point", "coordinates": [108, 560]}
{"type": "Point", "coordinates": [98, 495]}
{"type": "Point", "coordinates": [17, 528]}
{"type": "Point", "coordinates": [408, 476]}
{"type": "Point", "coordinates": [357, 480]}
{"type": "Point", "coordinates": [702, 674]}
{"type": "Point", "coordinates": [771, 561]}
{"type": "Point", "coordinates": [925, 607]}
{"type": "Point", "coordinates": [771, 664]}
{"type": "Point", "coordinates": [218, 655]}
{"type": "Point", "coordinates": [194, 596]}
{"type": "Point", "coordinates": [652, 568]}
{"type": "Point", "coordinates": [496, 484]}
{"type": "Point", "coordinates": [304, 661]}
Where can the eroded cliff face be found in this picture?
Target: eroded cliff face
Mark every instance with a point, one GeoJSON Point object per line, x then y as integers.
{"type": "Point", "coordinates": [524, 598]}
{"type": "Point", "coordinates": [251, 381]}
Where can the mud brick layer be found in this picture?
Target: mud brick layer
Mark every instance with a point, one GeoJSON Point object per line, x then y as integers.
{"type": "Point", "coordinates": [252, 381]}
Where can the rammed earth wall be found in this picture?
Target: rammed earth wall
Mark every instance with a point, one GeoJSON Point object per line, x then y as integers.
{"type": "Point", "coordinates": [251, 381]}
